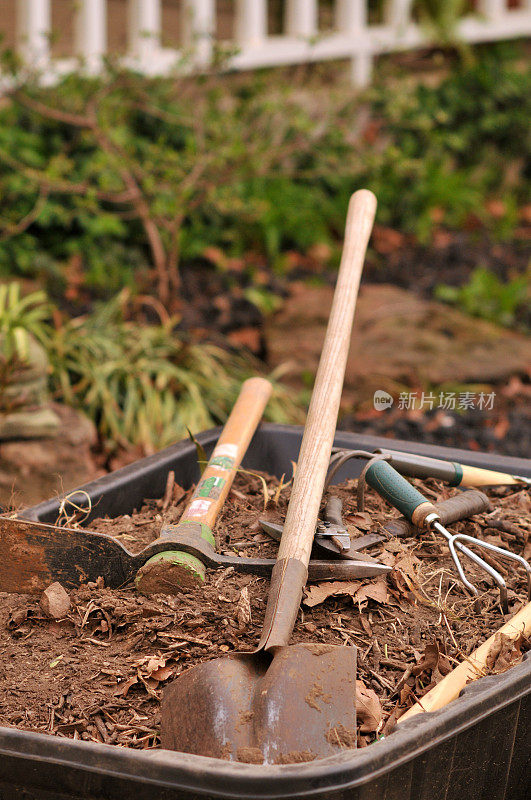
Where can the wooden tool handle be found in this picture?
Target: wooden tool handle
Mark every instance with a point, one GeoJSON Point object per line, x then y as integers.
{"type": "Point", "coordinates": [461, 506]}
{"type": "Point", "coordinates": [216, 480]}
{"type": "Point", "coordinates": [471, 669]}
{"type": "Point", "coordinates": [289, 575]}
{"type": "Point", "coordinates": [475, 476]}
{"type": "Point", "coordinates": [320, 427]}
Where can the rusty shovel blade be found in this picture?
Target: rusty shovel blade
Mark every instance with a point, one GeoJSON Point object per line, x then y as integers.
{"type": "Point", "coordinates": [293, 706]}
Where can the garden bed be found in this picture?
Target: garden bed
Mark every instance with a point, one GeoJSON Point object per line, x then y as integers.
{"type": "Point", "coordinates": [476, 746]}
{"type": "Point", "coordinates": [97, 673]}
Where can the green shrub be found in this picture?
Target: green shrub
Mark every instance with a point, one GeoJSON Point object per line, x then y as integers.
{"type": "Point", "coordinates": [141, 384]}
{"type": "Point", "coordinates": [486, 296]}
{"type": "Point", "coordinates": [125, 179]}
{"type": "Point", "coordinates": [130, 172]}
{"type": "Point", "coordinates": [451, 147]}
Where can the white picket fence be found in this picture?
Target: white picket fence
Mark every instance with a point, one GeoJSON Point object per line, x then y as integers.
{"type": "Point", "coordinates": [352, 38]}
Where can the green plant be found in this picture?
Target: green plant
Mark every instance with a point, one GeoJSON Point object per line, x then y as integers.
{"type": "Point", "coordinates": [20, 318]}
{"type": "Point", "coordinates": [486, 296]}
{"type": "Point", "coordinates": [148, 385]}
{"type": "Point", "coordinates": [440, 18]}
{"type": "Point", "coordinates": [168, 166]}
{"type": "Point", "coordinates": [125, 180]}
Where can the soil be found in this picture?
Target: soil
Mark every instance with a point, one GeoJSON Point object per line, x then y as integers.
{"type": "Point", "coordinates": [98, 673]}
{"type": "Point", "coordinates": [440, 347]}
{"type": "Point", "coordinates": [405, 345]}
{"type": "Point", "coordinates": [450, 259]}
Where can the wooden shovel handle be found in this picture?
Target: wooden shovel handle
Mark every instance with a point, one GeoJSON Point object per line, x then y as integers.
{"type": "Point", "coordinates": [314, 456]}
{"type": "Point", "coordinates": [214, 486]}
{"type": "Point", "coordinates": [289, 575]}
{"type": "Point", "coordinates": [451, 685]}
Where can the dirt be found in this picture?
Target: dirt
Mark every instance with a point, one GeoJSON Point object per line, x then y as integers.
{"type": "Point", "coordinates": [97, 674]}
{"type": "Point", "coordinates": [450, 259]}
{"type": "Point", "coordinates": [412, 349]}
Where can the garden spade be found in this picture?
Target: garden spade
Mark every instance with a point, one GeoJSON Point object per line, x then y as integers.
{"type": "Point", "coordinates": [286, 703]}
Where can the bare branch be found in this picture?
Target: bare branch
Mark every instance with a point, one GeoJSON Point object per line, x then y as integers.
{"type": "Point", "coordinates": [12, 229]}
{"type": "Point", "coordinates": [76, 120]}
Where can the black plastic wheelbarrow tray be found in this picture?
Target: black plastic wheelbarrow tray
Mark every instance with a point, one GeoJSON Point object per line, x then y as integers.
{"type": "Point", "coordinates": [477, 748]}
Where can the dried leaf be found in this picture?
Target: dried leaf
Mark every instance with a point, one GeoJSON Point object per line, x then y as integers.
{"type": "Point", "coordinates": [361, 520]}
{"type": "Point", "coordinates": [320, 591]}
{"type": "Point", "coordinates": [374, 591]}
{"type": "Point", "coordinates": [162, 674]}
{"type": "Point", "coordinates": [147, 665]}
{"type": "Point", "coordinates": [368, 708]}
{"type": "Point", "coordinates": [504, 653]}
{"type": "Point", "coordinates": [359, 592]}
{"type": "Point", "coordinates": [429, 660]}
{"type": "Point", "coordinates": [366, 625]}
{"type": "Point", "coordinates": [124, 687]}
{"type": "Point", "coordinates": [408, 564]}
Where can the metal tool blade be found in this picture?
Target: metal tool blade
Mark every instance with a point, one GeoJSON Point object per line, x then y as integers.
{"type": "Point", "coordinates": [325, 545]}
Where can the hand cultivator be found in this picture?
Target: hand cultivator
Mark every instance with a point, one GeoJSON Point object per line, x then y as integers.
{"type": "Point", "coordinates": [384, 472]}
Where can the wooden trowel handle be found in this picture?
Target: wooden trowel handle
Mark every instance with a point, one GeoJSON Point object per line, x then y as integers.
{"type": "Point", "coordinates": [172, 570]}
{"type": "Point", "coordinates": [213, 488]}
{"type": "Point", "coordinates": [289, 574]}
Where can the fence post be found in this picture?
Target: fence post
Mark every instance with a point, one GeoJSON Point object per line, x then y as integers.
{"type": "Point", "coordinates": [351, 20]}
{"type": "Point", "coordinates": [301, 18]}
{"type": "Point", "coordinates": [199, 17]}
{"type": "Point", "coordinates": [33, 32]}
{"type": "Point", "coordinates": [91, 32]}
{"type": "Point", "coordinates": [251, 22]}
{"type": "Point", "coordinates": [492, 9]}
{"type": "Point", "coordinates": [397, 14]}
{"type": "Point", "coordinates": [144, 29]}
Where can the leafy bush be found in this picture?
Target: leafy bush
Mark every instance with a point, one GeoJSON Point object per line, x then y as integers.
{"type": "Point", "coordinates": [451, 147]}
{"type": "Point", "coordinates": [128, 171]}
{"type": "Point", "coordinates": [20, 318]}
{"type": "Point", "coordinates": [487, 297]}
{"type": "Point", "coordinates": [120, 181]}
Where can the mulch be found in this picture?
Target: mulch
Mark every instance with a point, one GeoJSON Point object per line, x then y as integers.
{"type": "Point", "coordinates": [98, 673]}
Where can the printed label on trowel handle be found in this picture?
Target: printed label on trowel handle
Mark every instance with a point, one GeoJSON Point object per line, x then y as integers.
{"type": "Point", "coordinates": [230, 450]}
{"type": "Point", "coordinates": [222, 462]}
{"type": "Point", "coordinates": [210, 487]}
{"type": "Point", "coordinates": [224, 456]}
{"type": "Point", "coordinates": [197, 508]}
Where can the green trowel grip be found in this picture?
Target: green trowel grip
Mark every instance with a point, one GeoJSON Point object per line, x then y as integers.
{"type": "Point", "coordinates": [395, 489]}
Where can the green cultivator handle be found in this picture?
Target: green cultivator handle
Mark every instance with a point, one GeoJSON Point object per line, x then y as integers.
{"type": "Point", "coordinates": [401, 494]}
